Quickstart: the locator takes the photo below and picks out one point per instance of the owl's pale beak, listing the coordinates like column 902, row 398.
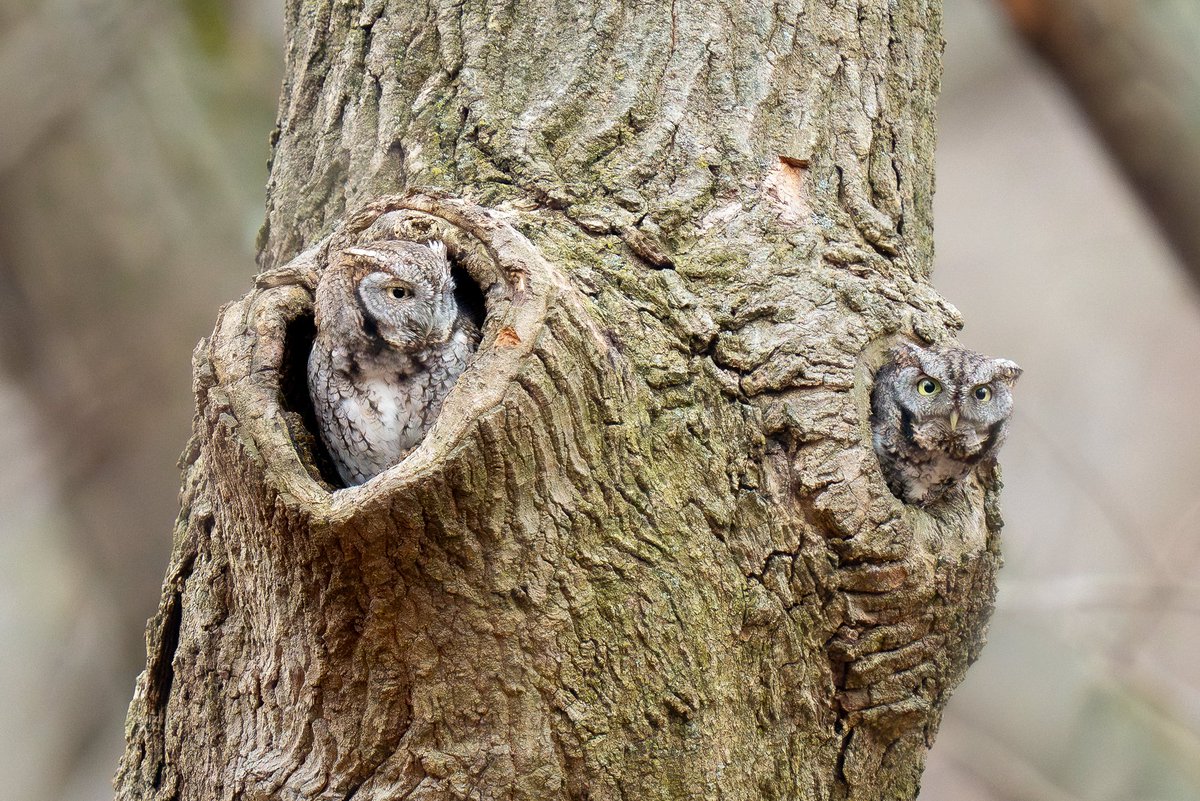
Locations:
column 954, row 420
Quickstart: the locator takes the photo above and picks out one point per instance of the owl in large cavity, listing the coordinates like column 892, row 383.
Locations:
column 391, row 341
column 936, row 414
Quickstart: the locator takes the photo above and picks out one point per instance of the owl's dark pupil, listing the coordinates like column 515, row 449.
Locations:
column 927, row 386
column 981, row 393
column 398, row 292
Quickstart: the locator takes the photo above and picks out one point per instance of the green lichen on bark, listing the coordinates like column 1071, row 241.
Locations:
column 646, row 552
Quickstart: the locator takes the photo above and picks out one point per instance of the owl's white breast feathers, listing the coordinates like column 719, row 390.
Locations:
column 388, row 412
column 374, row 411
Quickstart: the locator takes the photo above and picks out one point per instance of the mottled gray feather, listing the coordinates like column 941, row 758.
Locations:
column 928, row 443
column 390, row 344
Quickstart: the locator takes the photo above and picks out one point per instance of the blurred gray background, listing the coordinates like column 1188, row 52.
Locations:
column 133, row 146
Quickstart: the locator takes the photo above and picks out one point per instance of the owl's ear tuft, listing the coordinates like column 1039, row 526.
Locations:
column 1007, row 370
column 438, row 247
column 906, row 355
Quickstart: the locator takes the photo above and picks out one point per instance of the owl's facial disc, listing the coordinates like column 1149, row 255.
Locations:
column 939, row 421
column 406, row 311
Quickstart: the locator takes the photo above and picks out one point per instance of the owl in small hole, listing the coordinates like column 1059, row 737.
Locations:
column 937, row 413
column 391, row 341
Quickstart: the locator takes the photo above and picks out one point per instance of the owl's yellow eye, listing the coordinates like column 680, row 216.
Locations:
column 983, row 393
column 928, row 386
column 399, row 292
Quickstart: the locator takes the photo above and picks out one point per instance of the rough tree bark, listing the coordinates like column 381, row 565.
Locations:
column 646, row 551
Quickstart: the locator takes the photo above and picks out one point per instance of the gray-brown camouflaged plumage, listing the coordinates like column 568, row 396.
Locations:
column 936, row 414
column 390, row 344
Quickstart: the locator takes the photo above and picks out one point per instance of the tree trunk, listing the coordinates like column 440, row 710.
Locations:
column 646, row 551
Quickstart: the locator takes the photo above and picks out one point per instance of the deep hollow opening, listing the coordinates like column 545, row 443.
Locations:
column 293, row 380
column 302, row 418
column 468, row 294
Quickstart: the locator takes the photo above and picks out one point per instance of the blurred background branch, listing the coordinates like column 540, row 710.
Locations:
column 133, row 147
column 127, row 219
column 1133, row 67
